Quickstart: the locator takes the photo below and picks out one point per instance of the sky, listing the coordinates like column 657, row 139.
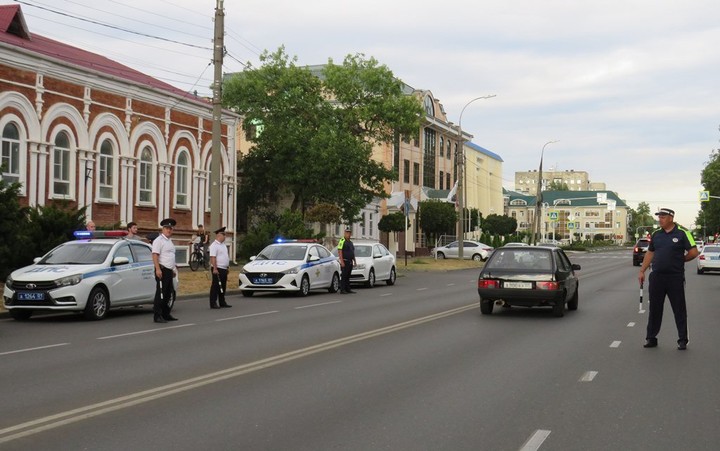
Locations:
column 629, row 88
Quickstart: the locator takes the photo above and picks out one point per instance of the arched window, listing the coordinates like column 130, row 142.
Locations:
column 518, row 202
column 181, row 179
column 61, row 165
column 10, row 153
column 145, row 181
column 106, row 170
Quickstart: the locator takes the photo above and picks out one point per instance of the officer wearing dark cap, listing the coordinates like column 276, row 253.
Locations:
column 163, row 255
column 670, row 247
column 346, row 254
column 219, row 263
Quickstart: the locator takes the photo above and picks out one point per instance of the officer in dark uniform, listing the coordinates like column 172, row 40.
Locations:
column 163, row 255
column 346, row 252
column 670, row 247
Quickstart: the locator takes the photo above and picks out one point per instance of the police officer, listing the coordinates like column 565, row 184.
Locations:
column 346, row 252
column 163, row 255
column 219, row 262
column 670, row 247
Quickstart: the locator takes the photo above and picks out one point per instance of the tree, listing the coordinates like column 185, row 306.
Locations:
column 641, row 221
column 393, row 222
column 437, row 218
column 499, row 225
column 324, row 214
column 710, row 179
column 557, row 185
column 12, row 224
column 312, row 137
column 49, row 226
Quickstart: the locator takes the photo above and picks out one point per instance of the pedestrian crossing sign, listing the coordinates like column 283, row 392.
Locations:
column 553, row 215
column 704, row 196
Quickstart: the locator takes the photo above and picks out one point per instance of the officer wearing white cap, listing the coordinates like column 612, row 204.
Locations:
column 219, row 263
column 670, row 247
column 163, row 255
column 346, row 254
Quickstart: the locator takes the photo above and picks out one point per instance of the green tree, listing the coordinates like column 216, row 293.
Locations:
column 437, row 218
column 710, row 179
column 49, row 226
column 641, row 220
column 317, row 133
column 499, row 225
column 393, row 222
column 12, row 225
column 557, row 185
column 324, row 214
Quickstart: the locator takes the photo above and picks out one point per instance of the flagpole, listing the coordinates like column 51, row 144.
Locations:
column 538, row 197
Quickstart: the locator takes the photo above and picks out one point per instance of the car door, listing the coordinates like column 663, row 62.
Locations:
column 451, row 250
column 381, row 262
column 125, row 277
column 146, row 271
column 327, row 265
column 470, row 248
column 565, row 273
column 316, row 272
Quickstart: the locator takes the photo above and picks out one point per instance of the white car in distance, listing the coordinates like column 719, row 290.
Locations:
column 374, row 263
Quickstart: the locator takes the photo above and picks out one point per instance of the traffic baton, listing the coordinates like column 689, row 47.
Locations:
column 220, row 284
column 641, row 296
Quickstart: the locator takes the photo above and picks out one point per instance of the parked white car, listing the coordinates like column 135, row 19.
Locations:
column 471, row 250
column 293, row 266
column 709, row 259
column 88, row 275
column 373, row 263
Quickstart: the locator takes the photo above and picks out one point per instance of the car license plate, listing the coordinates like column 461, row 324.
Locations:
column 714, row 258
column 30, row 296
column 263, row 281
column 521, row 285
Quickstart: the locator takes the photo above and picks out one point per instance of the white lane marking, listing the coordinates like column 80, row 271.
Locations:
column 145, row 331
column 421, row 289
column 631, row 324
column 641, row 311
column 33, row 349
column 536, row 440
column 248, row 316
column 615, row 344
column 450, row 284
column 385, row 294
column 588, row 376
column 317, row 305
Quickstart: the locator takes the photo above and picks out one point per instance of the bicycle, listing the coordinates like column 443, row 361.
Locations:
column 197, row 258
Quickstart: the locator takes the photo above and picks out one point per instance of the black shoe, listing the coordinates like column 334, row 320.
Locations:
column 226, row 306
column 214, row 306
column 650, row 343
column 343, row 292
column 352, row 292
column 160, row 319
column 682, row 345
column 170, row 318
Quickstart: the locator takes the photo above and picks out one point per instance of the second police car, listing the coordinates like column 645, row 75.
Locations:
column 92, row 274
column 293, row 266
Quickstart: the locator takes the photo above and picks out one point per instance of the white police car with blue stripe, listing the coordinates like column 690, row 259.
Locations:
column 97, row 272
column 296, row 266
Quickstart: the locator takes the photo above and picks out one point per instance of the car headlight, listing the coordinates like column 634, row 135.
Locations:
column 9, row 282
column 294, row 270
column 244, row 271
column 360, row 266
column 67, row 281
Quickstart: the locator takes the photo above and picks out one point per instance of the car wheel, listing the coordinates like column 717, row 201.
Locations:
column 97, row 305
column 335, row 284
column 486, row 306
column 559, row 308
column 304, row 286
column 171, row 301
column 477, row 257
column 371, row 279
column 21, row 314
column 441, row 255
column 248, row 293
column 573, row 302
column 700, row 271
column 393, row 276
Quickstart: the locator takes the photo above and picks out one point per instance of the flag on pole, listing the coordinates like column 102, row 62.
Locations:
column 452, row 195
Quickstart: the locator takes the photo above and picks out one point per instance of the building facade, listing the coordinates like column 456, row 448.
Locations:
column 526, row 182
column 81, row 128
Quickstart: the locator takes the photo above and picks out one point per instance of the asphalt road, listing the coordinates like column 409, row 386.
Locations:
column 409, row 367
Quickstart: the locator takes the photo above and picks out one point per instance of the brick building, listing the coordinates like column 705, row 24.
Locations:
column 80, row 127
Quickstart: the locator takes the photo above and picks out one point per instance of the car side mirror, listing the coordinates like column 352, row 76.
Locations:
column 253, row 257
column 377, row 256
column 313, row 258
column 576, row 267
column 120, row 261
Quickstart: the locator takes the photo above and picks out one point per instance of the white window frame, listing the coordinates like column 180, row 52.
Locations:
column 182, row 174
column 71, row 152
column 143, row 167
column 106, row 169
column 14, row 146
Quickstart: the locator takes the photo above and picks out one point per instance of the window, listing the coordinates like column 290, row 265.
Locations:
column 61, row 165
column 429, row 158
column 406, row 171
column 181, row 179
column 124, row 251
column 429, row 107
column 10, row 153
column 146, row 176
column 105, row 170
column 442, row 148
column 416, row 173
column 362, row 224
column 447, row 180
column 442, row 180
column 371, row 218
column 447, row 155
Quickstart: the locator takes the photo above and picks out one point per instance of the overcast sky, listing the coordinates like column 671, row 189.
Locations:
column 629, row 88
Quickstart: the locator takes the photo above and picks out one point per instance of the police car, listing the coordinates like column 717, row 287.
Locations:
column 294, row 266
column 96, row 272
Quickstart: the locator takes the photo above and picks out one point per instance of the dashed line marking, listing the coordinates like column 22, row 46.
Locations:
column 146, row 331
column 588, row 376
column 615, row 344
column 631, row 324
column 247, row 316
column 536, row 440
column 33, row 349
column 421, row 289
column 317, row 305
column 385, row 294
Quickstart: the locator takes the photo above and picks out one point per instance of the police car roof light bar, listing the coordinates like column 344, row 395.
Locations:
column 88, row 234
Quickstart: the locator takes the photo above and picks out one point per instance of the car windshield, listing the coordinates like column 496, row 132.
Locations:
column 521, row 258
column 77, row 253
column 363, row 251
column 279, row 252
column 711, row 250
column 643, row 243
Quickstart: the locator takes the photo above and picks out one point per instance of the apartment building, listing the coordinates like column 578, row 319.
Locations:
column 527, row 181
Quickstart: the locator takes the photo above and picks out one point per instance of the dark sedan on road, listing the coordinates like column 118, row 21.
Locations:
column 528, row 276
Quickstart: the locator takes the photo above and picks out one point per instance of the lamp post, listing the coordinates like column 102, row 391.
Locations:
column 538, row 196
column 460, row 162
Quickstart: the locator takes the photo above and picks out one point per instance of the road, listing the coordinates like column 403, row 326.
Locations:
column 414, row 366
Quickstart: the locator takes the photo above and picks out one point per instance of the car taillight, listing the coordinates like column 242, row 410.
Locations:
column 701, row 257
column 547, row 285
column 488, row 283
column 636, row 249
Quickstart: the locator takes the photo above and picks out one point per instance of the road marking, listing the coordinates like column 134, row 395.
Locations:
column 93, row 410
column 631, row 324
column 641, row 311
column 248, row 316
column 317, row 305
column 421, row 289
column 450, row 284
column 385, row 294
column 615, row 344
column 588, row 376
column 33, row 349
column 146, row 331
column 536, row 440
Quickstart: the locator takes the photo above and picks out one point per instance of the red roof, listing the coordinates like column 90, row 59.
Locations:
column 14, row 31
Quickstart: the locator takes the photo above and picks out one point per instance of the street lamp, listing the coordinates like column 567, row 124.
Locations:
column 460, row 162
column 538, row 196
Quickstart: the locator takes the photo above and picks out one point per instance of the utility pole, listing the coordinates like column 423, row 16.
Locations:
column 215, row 166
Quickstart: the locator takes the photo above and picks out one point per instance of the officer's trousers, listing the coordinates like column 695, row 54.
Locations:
column 672, row 286
column 217, row 289
column 163, row 291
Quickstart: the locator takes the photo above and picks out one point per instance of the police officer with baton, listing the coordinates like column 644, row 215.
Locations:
column 219, row 263
column 163, row 255
column 670, row 247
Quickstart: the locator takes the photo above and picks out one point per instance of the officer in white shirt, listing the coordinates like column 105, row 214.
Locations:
column 163, row 255
column 219, row 263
